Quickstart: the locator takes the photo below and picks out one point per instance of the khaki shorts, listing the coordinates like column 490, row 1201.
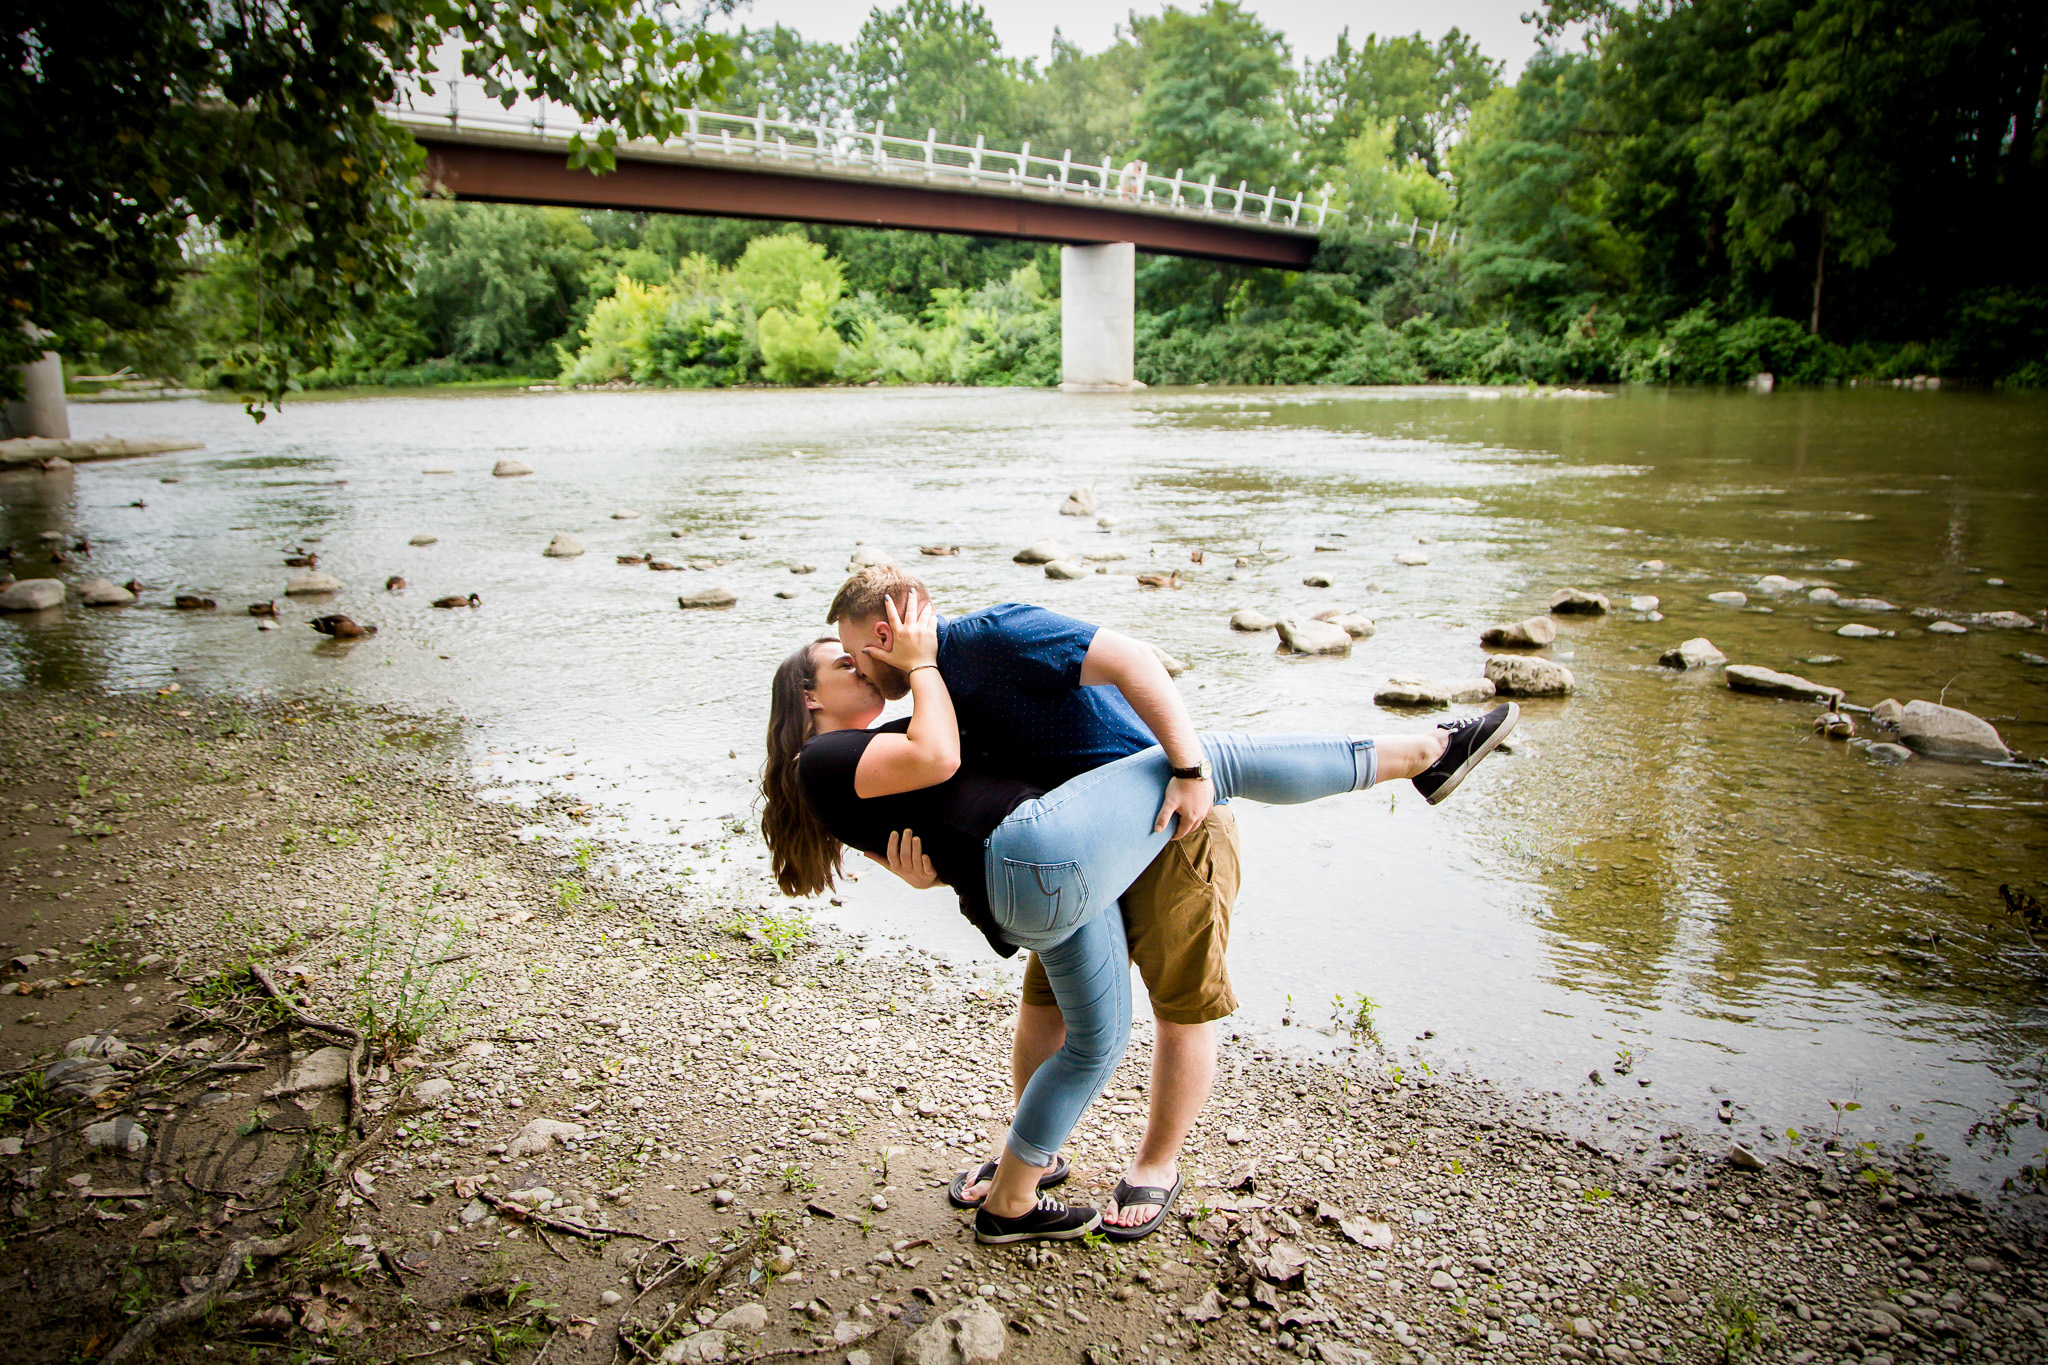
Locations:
column 1177, row 918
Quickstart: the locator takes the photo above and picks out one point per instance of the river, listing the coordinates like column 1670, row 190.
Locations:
column 1669, row 876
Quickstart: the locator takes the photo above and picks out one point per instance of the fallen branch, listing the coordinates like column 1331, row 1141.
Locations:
column 702, row 1290
column 517, row 1210
column 201, row 1302
column 295, row 1010
column 455, row 1338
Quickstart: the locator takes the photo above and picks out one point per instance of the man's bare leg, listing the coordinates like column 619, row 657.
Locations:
column 1041, row 1030
column 1183, row 1074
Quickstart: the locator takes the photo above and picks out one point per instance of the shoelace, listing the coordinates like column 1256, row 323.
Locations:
column 1459, row 727
column 1049, row 1204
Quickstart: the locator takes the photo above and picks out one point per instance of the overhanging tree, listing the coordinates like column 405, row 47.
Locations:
column 139, row 126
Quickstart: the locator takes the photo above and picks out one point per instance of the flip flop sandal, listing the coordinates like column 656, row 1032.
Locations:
column 1126, row 1194
column 982, row 1174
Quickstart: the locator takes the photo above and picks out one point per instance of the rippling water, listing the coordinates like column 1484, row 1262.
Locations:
column 1669, row 871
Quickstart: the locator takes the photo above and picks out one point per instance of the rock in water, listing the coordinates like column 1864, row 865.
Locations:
column 1887, row 714
column 1576, row 602
column 509, row 469
column 100, row 592
column 1414, row 559
column 1856, row 630
column 1533, row 633
column 539, row 1135
column 867, row 557
column 1698, row 652
column 423, row 539
column 1729, row 599
column 1889, row 753
column 1778, row 583
column 1430, row 692
column 1947, row 628
column 1316, row 580
column 1768, row 682
column 1823, row 595
column 1864, row 604
column 1042, row 552
column 311, row 583
column 1644, row 602
column 1251, row 621
column 1356, row 626
column 716, row 597
column 1067, row 568
column 1174, row 667
column 1301, row 636
column 32, row 594
column 625, row 514
column 563, row 546
column 1079, row 503
column 1946, row 732
column 971, row 1334
column 1516, row 675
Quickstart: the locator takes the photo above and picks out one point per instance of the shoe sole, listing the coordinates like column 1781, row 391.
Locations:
column 1450, row 784
column 995, row 1239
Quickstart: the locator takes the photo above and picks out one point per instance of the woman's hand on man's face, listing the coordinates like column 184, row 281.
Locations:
column 913, row 640
column 906, row 859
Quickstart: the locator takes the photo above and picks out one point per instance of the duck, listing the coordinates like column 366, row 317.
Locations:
column 186, row 601
column 138, row 503
column 263, row 608
column 395, row 583
column 1160, row 580
column 1194, row 556
column 939, row 551
column 6, row 554
column 304, row 559
column 457, row 600
column 341, row 627
column 2025, row 907
column 134, row 585
column 81, row 546
column 57, row 556
column 634, row 559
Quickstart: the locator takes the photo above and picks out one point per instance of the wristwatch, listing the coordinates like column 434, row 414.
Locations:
column 1198, row 773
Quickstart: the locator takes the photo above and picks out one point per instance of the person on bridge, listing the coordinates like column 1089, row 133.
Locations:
column 1064, row 803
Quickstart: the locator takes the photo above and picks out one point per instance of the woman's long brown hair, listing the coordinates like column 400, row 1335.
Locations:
column 804, row 853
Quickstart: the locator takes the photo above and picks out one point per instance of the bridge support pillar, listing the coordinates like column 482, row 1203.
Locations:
column 40, row 411
column 1098, row 303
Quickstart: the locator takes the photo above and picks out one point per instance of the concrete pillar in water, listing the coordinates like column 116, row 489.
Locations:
column 40, row 410
column 1098, row 301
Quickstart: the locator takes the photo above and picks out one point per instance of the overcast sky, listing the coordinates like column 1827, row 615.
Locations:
column 1311, row 26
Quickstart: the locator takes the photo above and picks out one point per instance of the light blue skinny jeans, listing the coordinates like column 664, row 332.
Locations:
column 1058, row 864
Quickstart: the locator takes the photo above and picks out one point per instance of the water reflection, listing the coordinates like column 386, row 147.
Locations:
column 1669, row 869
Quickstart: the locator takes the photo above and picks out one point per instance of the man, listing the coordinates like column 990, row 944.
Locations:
column 1044, row 697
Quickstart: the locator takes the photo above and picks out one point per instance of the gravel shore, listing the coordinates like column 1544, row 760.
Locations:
column 763, row 1116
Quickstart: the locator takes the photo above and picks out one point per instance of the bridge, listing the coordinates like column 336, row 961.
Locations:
column 731, row 164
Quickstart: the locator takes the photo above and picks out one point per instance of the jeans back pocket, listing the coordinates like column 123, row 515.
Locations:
column 1044, row 898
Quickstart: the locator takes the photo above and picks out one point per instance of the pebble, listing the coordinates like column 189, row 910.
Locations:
column 117, row 1135
column 611, row 1298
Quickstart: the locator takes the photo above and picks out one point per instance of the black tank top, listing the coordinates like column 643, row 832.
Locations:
column 952, row 819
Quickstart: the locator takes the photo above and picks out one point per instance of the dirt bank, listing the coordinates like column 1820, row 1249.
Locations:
column 542, row 1050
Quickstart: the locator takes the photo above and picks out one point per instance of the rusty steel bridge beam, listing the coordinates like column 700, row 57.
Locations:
column 506, row 173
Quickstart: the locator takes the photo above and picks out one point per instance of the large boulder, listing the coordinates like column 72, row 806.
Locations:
column 715, row 596
column 1533, row 633
column 1300, row 635
column 1577, row 602
column 971, row 1334
column 311, row 583
column 1252, row 622
column 101, row 592
column 32, row 594
column 1768, row 682
column 1946, row 732
column 1518, row 675
column 1698, row 652
column 1432, row 692
column 1042, row 552
column 563, row 546
column 1079, row 503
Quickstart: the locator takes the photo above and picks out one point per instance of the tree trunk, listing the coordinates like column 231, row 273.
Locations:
column 1820, row 261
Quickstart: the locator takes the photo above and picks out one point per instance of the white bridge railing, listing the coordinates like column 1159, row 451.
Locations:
column 878, row 153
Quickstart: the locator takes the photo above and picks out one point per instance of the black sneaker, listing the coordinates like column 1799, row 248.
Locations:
column 1048, row 1221
column 1472, row 739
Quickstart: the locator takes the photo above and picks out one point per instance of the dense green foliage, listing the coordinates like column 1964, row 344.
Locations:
column 1826, row 190
column 141, row 130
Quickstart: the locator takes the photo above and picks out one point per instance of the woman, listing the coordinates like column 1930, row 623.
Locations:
column 1034, row 869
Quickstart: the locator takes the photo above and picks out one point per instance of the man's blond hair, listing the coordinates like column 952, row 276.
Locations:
column 860, row 597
